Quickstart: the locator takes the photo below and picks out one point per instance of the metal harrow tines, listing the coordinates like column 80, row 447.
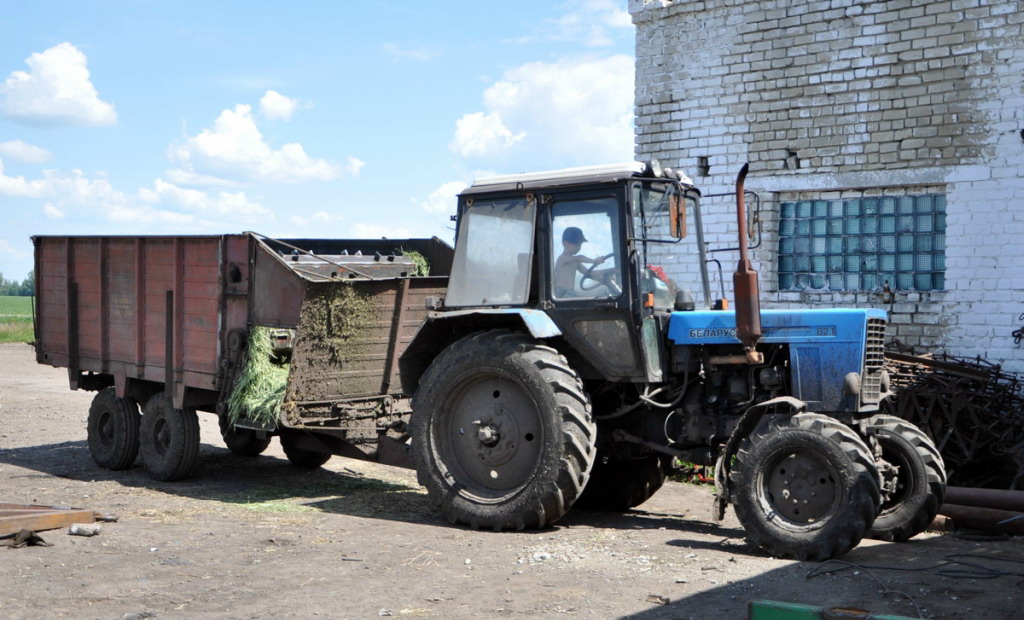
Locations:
column 972, row 410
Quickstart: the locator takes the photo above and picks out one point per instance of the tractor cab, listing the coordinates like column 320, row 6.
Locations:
column 567, row 252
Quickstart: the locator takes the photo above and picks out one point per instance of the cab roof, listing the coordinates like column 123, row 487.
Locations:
column 552, row 178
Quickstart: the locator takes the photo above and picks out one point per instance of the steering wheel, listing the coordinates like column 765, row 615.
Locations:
column 589, row 275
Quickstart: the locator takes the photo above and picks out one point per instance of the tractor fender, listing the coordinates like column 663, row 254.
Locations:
column 440, row 329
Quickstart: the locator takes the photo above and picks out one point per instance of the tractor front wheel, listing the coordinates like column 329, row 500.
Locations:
column 805, row 486
column 914, row 475
column 502, row 432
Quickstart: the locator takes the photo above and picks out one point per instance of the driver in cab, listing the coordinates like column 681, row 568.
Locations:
column 570, row 262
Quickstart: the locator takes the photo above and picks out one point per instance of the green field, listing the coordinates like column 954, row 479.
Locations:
column 15, row 319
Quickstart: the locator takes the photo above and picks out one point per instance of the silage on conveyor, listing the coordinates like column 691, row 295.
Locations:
column 259, row 389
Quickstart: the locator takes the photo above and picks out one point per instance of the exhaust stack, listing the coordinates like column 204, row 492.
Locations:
column 744, row 282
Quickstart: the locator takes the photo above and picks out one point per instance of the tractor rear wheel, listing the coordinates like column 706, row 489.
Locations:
column 502, row 432
column 113, row 430
column 169, row 439
column 617, row 486
column 805, row 486
column 915, row 479
column 242, row 441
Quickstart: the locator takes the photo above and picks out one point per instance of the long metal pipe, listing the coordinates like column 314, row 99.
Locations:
column 999, row 499
column 745, row 287
column 987, row 519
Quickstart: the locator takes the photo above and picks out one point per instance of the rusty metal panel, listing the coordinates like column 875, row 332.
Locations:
column 276, row 292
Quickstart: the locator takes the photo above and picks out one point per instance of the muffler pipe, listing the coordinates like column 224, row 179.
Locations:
column 744, row 283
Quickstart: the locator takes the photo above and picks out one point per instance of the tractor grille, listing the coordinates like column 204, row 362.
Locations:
column 874, row 359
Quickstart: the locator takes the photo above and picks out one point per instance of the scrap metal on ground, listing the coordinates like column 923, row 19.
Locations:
column 971, row 409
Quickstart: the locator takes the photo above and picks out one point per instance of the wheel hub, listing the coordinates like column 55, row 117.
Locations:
column 801, row 487
column 491, row 440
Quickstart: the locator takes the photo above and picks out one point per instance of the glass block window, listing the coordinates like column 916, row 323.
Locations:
column 853, row 244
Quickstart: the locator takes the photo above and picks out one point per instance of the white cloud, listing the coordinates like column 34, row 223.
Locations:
column 23, row 151
column 320, row 218
column 480, row 134
column 401, row 52
column 7, row 248
column 56, row 90
column 579, row 111
column 590, row 22
column 184, row 177
column 51, row 212
column 275, row 106
column 234, row 147
column 165, row 203
column 442, row 200
column 379, row 231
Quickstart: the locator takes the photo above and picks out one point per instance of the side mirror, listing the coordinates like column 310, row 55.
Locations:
column 677, row 216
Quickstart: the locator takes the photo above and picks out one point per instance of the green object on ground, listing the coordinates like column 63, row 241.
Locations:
column 260, row 387
column 777, row 610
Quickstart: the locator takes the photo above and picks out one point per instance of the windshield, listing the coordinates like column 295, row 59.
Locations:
column 493, row 254
column 662, row 254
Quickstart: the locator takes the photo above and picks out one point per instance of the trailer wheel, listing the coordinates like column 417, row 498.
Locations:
column 169, row 439
column 301, row 457
column 918, row 480
column 502, row 432
column 113, row 430
column 617, row 486
column 806, row 487
column 242, row 441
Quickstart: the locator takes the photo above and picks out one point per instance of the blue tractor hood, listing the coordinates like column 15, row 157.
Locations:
column 824, row 346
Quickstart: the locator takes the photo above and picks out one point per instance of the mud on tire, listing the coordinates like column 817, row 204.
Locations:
column 805, row 486
column 920, row 483
column 502, row 432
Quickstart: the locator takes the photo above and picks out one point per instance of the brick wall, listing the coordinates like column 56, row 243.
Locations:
column 836, row 97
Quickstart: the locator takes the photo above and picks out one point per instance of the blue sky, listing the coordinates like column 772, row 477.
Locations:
column 322, row 119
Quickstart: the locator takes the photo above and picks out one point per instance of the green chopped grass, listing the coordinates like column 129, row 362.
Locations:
column 260, row 387
column 422, row 265
column 16, row 319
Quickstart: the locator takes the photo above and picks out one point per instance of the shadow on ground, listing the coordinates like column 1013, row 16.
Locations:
column 271, row 484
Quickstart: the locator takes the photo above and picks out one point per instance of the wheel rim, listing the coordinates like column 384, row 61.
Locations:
column 161, row 436
column 491, row 438
column 904, row 478
column 105, row 429
column 802, row 487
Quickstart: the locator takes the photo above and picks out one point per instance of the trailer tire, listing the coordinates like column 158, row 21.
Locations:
column 243, row 441
column 169, row 439
column 920, row 481
column 301, row 457
column 617, row 486
column 113, row 430
column 805, row 486
column 502, row 432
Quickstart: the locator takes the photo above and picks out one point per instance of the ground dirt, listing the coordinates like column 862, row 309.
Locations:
column 259, row 538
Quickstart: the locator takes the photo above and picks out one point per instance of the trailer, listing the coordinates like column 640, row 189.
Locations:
column 526, row 375
column 162, row 323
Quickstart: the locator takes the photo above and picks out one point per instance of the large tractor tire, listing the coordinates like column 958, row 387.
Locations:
column 502, row 432
column 242, row 441
column 168, row 439
column 113, row 430
column 805, row 487
column 915, row 480
column 617, row 486
column 291, row 443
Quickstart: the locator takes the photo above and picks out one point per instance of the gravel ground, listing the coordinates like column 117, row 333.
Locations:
column 258, row 538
